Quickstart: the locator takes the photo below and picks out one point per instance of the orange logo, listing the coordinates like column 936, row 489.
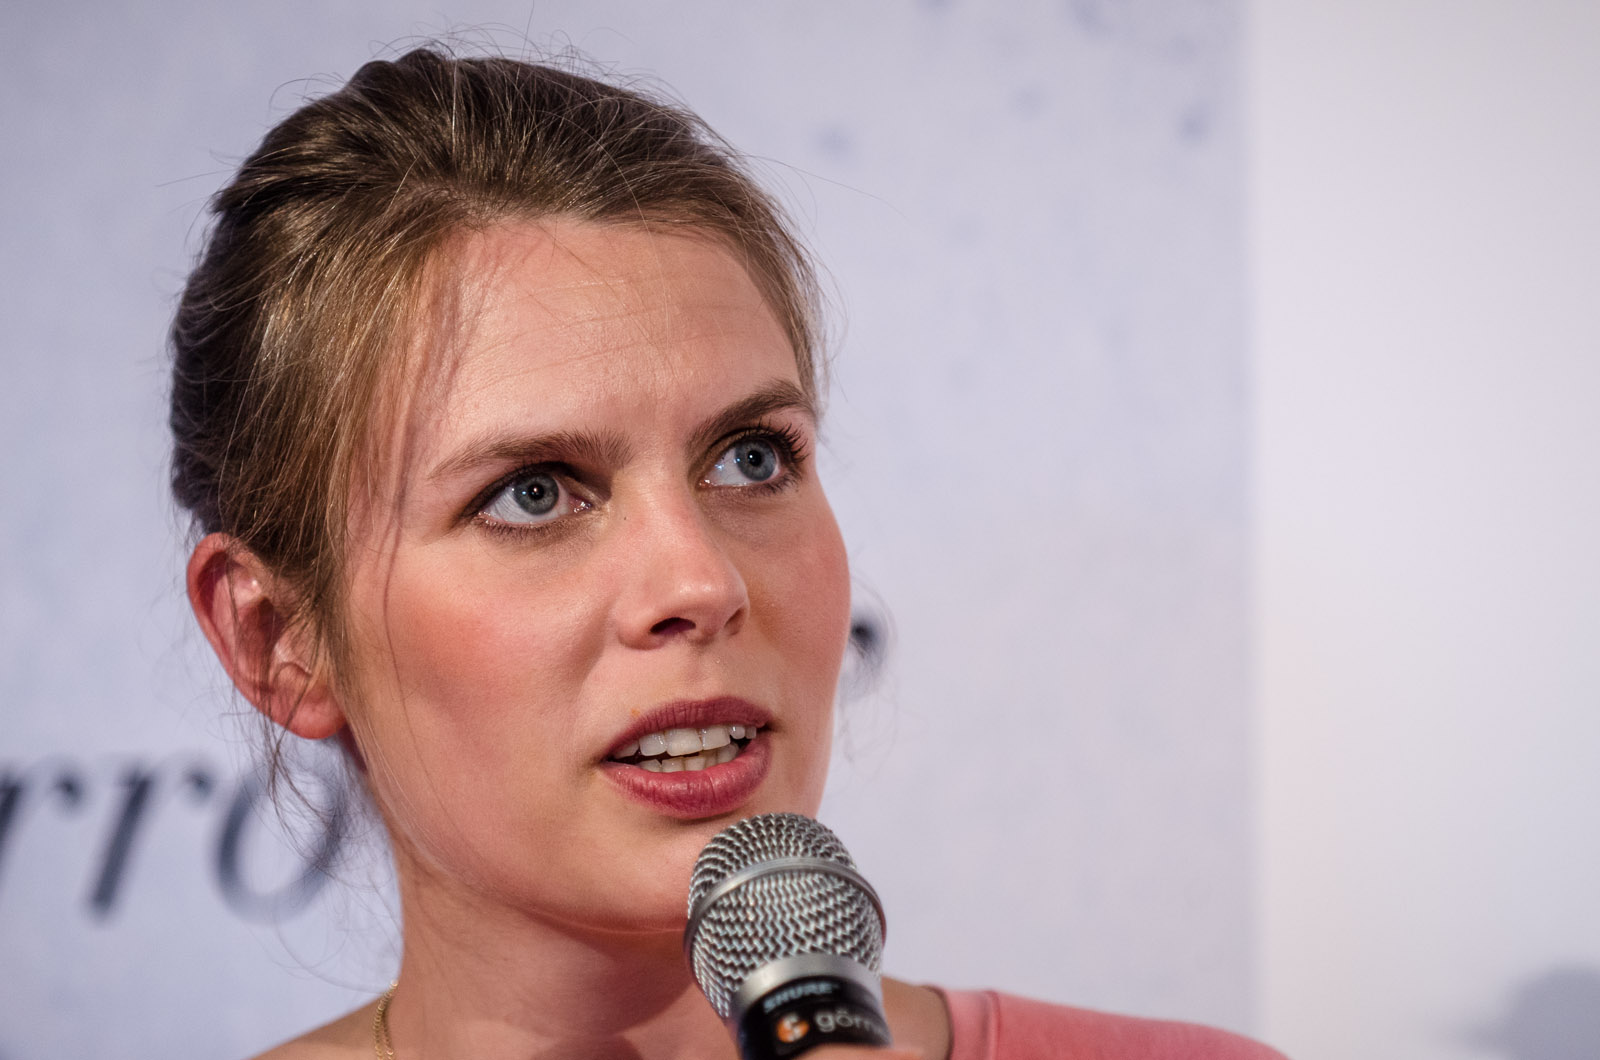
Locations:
column 792, row 1028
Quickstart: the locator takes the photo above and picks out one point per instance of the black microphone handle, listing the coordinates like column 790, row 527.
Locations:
column 797, row 1003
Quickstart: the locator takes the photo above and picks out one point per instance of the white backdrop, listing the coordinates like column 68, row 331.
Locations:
column 1037, row 445
column 1426, row 252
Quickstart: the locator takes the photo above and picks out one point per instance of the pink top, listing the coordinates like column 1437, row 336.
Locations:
column 985, row 1025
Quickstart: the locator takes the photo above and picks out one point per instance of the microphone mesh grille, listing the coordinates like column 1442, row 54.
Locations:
column 783, row 914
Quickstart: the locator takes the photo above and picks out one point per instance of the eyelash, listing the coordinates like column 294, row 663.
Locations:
column 791, row 447
column 790, row 443
column 477, row 510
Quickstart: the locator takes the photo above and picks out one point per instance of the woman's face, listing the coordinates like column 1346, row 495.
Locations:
column 603, row 525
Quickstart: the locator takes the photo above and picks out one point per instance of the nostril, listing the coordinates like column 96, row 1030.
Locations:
column 669, row 626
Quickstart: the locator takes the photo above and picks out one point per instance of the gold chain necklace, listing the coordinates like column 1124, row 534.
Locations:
column 380, row 1025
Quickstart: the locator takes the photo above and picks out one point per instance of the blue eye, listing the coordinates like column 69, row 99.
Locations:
column 747, row 462
column 535, row 497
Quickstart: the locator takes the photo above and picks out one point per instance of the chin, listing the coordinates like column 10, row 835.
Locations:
column 649, row 893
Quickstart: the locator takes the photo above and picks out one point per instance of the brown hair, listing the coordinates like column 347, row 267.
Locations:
column 313, row 270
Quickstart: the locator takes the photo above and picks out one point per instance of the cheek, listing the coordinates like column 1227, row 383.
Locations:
column 467, row 673
column 464, row 654
column 820, row 595
column 808, row 592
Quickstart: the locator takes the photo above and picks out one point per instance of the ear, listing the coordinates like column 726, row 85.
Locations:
column 244, row 611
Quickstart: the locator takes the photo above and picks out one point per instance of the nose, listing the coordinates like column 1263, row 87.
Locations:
column 681, row 584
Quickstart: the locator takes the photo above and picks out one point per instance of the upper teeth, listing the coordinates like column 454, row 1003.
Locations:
column 681, row 742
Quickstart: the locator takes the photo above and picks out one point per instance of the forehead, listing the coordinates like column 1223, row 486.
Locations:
column 572, row 317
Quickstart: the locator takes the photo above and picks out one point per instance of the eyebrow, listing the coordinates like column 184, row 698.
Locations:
column 777, row 396
column 558, row 447
column 610, row 448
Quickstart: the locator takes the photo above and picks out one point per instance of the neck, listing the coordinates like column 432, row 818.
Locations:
column 497, row 983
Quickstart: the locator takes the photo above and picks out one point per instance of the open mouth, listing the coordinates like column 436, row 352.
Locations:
column 686, row 750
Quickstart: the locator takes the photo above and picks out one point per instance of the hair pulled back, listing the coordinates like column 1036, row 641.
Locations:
column 313, row 266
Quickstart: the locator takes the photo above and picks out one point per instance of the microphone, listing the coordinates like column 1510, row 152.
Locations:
column 786, row 938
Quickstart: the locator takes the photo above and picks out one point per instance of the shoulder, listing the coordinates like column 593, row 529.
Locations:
column 986, row 1025
column 346, row 1038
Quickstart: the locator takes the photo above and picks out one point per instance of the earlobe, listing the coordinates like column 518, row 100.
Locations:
column 243, row 611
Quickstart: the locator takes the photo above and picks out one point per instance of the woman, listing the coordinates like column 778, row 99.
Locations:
column 495, row 396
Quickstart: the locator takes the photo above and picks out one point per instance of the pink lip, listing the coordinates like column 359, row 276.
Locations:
column 709, row 792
